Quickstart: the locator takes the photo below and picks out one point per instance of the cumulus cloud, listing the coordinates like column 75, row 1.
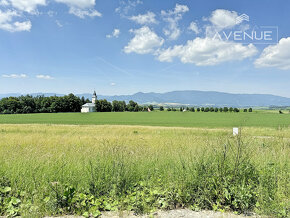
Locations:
column 147, row 18
column 145, row 41
column 193, row 27
column 29, row 6
column 81, row 8
column 14, row 76
column 7, row 22
column 126, row 6
column 78, row 3
column 220, row 19
column 46, row 77
column 82, row 13
column 276, row 55
column 207, row 51
column 223, row 19
column 4, row 3
column 115, row 34
column 173, row 17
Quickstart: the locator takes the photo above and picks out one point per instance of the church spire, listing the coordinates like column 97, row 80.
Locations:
column 94, row 98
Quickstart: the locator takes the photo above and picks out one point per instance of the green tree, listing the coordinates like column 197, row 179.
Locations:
column 151, row 107
column 161, row 108
column 236, row 110
column 250, row 109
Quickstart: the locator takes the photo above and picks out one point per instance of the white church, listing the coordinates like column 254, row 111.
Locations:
column 90, row 107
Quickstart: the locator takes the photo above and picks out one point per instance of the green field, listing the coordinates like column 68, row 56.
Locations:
column 81, row 170
column 84, row 164
column 177, row 119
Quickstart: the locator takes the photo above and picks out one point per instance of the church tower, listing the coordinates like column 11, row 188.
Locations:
column 94, row 98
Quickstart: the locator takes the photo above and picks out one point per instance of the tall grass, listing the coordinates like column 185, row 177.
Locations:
column 52, row 170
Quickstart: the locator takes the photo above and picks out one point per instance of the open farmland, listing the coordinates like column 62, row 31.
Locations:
column 177, row 119
column 70, row 169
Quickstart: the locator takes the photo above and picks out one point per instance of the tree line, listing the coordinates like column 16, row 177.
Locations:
column 120, row 106
column 68, row 103
column 71, row 103
column 207, row 109
column 41, row 104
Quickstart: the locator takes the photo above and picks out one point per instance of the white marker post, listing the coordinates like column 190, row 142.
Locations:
column 235, row 131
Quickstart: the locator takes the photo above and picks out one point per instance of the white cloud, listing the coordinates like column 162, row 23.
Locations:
column 145, row 41
column 113, row 84
column 114, row 34
column 126, row 6
column 172, row 17
column 14, row 76
column 28, row 6
column 193, row 27
column 220, row 19
column 78, row 3
column 81, row 8
column 4, row 3
column 147, row 18
column 58, row 23
column 51, row 13
column 207, row 51
column 223, row 19
column 81, row 13
column 276, row 55
column 46, row 77
column 7, row 23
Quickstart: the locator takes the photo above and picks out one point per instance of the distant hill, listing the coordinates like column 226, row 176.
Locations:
column 197, row 98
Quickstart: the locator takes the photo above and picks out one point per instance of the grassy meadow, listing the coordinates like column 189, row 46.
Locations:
column 177, row 119
column 50, row 169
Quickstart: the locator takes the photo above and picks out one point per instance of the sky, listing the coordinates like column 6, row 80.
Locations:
column 126, row 46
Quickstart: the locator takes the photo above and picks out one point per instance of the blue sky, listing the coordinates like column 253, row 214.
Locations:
column 123, row 47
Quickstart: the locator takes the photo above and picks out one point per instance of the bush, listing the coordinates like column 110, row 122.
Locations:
column 245, row 110
column 161, row 108
column 236, row 110
column 250, row 109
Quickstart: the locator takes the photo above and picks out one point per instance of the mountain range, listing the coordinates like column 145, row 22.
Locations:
column 191, row 97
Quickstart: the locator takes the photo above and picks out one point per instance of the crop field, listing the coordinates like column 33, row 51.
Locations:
column 48, row 169
column 177, row 119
